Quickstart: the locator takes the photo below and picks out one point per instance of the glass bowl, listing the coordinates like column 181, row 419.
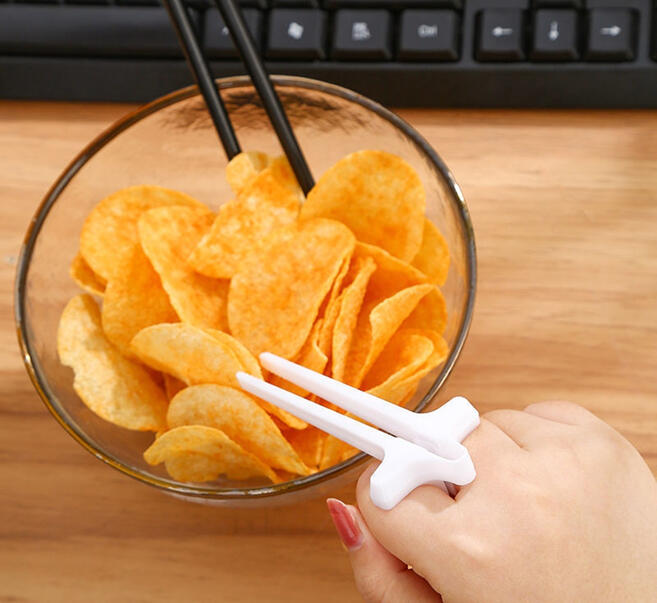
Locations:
column 171, row 142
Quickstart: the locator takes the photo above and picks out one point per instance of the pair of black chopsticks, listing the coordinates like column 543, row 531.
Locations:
column 242, row 39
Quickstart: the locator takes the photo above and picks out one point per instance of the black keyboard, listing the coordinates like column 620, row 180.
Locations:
column 431, row 53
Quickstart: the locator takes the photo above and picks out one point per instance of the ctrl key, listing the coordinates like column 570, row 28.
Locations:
column 500, row 35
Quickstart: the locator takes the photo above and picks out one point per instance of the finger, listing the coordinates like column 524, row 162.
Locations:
column 379, row 575
column 526, row 429
column 561, row 411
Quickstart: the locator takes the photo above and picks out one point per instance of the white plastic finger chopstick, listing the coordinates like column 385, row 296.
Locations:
column 423, row 448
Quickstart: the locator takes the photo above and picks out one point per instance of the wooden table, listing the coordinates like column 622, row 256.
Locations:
column 565, row 210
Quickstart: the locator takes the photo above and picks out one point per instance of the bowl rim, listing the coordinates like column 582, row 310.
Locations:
column 203, row 492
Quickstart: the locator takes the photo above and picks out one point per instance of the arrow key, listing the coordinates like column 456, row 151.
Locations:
column 500, row 35
column 611, row 35
column 555, row 36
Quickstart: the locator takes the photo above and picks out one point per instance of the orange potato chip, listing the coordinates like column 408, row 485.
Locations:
column 109, row 233
column 402, row 357
column 188, row 353
column 243, row 168
column 349, row 309
column 240, row 418
column 429, row 314
column 335, row 451
column 308, row 443
column 433, row 257
column 243, row 225
column 275, row 296
column 199, row 356
column 331, row 308
column 196, row 453
column 168, row 235
column 115, row 388
column 85, row 277
column 375, row 327
column 391, row 274
column 378, row 196
column 397, row 390
column 250, row 364
column 246, row 358
column 310, row 356
column 172, row 385
column 405, row 400
column 134, row 299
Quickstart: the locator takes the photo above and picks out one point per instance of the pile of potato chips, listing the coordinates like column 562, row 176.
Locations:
column 345, row 282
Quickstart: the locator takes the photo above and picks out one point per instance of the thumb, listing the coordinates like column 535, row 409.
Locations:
column 379, row 575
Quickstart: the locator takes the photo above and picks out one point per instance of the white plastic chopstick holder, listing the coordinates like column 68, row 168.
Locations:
column 427, row 448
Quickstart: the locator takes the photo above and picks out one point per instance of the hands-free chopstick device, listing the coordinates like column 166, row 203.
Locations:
column 417, row 449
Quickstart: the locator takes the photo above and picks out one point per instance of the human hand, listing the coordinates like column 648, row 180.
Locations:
column 563, row 508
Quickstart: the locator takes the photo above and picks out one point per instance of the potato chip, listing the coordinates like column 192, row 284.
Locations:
column 392, row 275
column 308, row 443
column 168, row 235
column 275, row 296
column 85, row 277
column 196, row 453
column 402, row 357
column 331, row 308
column 335, row 451
column 243, row 168
column 378, row 196
column 310, row 356
column 250, row 364
column 438, row 355
column 113, row 387
column 397, row 390
column 282, row 172
column 109, row 233
column 429, row 314
column 134, row 299
column 433, row 257
column 188, row 353
column 376, row 326
column 246, row 358
column 406, row 399
column 240, row 418
column 172, row 385
column 243, row 225
column 349, row 308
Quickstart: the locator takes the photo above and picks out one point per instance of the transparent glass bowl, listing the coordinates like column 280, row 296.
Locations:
column 171, row 142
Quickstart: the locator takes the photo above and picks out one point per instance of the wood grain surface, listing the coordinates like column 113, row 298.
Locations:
column 565, row 211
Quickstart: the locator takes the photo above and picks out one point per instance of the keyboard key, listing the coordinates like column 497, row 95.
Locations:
column 86, row 31
column 611, row 34
column 558, row 4
column 299, row 3
column 216, row 39
column 555, row 36
column 261, row 4
column 500, row 35
column 296, row 34
column 87, row 1
column 138, row 2
column 362, row 35
column 429, row 35
column 455, row 4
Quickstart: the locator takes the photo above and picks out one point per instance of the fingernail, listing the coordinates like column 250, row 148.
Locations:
column 345, row 524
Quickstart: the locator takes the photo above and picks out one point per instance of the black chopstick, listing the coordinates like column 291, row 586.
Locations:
column 242, row 39
column 190, row 46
